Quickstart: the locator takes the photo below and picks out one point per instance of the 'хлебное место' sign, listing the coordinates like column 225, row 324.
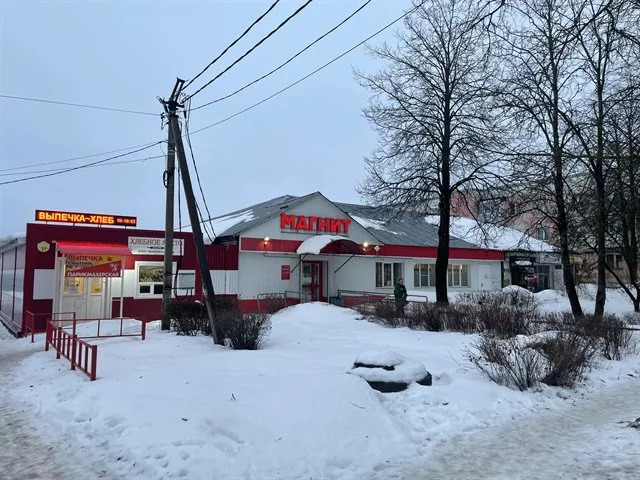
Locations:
column 154, row 246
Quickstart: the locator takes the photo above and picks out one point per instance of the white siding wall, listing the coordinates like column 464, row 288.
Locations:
column 44, row 284
column 260, row 273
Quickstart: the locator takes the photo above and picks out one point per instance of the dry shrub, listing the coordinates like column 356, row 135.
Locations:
column 459, row 318
column 568, row 356
column 189, row 318
column 240, row 331
column 424, row 316
column 272, row 303
column 616, row 339
column 506, row 362
column 518, row 299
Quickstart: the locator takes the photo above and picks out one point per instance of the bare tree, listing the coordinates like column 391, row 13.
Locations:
column 431, row 109
column 600, row 53
column 538, row 85
column 623, row 145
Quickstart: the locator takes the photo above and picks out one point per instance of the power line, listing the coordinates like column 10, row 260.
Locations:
column 239, row 59
column 195, row 166
column 90, row 166
column 69, row 104
column 312, row 73
column 255, row 22
column 76, row 158
column 287, row 62
column 245, row 109
column 79, row 166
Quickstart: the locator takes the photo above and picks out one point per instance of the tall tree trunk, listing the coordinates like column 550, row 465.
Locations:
column 558, row 182
column 444, row 205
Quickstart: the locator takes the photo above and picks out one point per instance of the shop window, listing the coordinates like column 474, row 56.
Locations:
column 387, row 274
column 615, row 261
column 149, row 279
column 458, row 275
column 185, row 281
column 73, row 286
column 542, row 233
column 424, row 275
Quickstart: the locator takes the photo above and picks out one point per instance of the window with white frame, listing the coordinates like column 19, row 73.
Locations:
column 542, row 233
column 149, row 279
column 185, row 282
column 424, row 275
column 458, row 275
column 614, row 260
column 388, row 273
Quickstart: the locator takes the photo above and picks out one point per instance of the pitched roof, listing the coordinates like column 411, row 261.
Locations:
column 408, row 229
column 235, row 223
column 391, row 228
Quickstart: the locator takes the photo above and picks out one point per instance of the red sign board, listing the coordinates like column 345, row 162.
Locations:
column 93, row 266
column 285, row 272
column 314, row 224
column 88, row 218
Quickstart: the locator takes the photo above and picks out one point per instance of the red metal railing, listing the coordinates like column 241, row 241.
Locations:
column 80, row 353
column 30, row 325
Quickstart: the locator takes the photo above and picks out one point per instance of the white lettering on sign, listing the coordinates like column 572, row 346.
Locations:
column 154, row 246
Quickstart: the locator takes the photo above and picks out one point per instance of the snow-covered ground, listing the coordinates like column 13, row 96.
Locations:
column 181, row 407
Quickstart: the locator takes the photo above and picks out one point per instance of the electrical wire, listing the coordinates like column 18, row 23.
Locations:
column 309, row 74
column 90, row 166
column 187, row 115
column 255, row 22
column 287, row 62
column 239, row 59
column 80, row 166
column 76, row 158
column 81, row 105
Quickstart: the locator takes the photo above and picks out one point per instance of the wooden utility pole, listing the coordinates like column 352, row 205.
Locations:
column 209, row 294
column 168, row 219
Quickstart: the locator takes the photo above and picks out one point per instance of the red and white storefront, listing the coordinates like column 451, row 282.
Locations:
column 113, row 269
column 94, row 271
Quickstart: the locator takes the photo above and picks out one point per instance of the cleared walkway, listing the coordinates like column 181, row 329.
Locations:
column 581, row 441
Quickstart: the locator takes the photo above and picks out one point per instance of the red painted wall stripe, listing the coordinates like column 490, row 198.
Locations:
column 290, row 246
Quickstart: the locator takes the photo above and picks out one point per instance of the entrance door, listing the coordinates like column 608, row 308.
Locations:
column 484, row 273
column 312, row 281
column 84, row 296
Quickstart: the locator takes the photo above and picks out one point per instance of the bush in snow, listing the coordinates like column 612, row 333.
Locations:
column 557, row 358
column 631, row 318
column 424, row 316
column 567, row 355
column 514, row 297
column 189, row 318
column 615, row 339
column 506, row 362
column 240, row 331
column 271, row 303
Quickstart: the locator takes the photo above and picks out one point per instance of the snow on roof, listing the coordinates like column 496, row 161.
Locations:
column 221, row 224
column 371, row 223
column 314, row 244
column 492, row 236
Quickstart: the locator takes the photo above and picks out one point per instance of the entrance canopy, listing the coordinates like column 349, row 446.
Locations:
column 93, row 248
column 329, row 244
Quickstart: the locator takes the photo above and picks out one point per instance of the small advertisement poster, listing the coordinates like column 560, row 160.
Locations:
column 86, row 266
column 154, row 246
column 285, row 272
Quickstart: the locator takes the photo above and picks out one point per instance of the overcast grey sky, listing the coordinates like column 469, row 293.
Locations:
column 124, row 54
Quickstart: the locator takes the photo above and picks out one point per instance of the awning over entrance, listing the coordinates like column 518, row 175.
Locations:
column 329, row 244
column 92, row 248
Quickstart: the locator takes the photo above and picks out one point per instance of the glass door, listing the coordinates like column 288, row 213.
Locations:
column 312, row 281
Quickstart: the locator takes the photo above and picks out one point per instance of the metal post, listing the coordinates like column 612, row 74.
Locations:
column 168, row 233
column 209, row 295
